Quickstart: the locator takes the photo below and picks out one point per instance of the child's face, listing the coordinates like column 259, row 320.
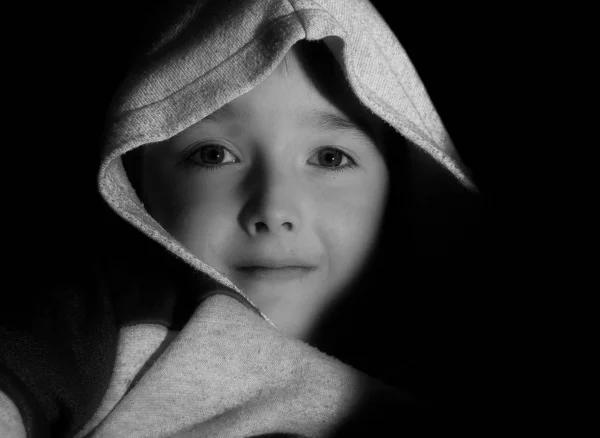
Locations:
column 286, row 208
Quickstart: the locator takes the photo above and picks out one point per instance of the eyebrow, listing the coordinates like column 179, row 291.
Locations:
column 321, row 119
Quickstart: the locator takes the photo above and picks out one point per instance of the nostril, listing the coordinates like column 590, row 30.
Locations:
column 261, row 226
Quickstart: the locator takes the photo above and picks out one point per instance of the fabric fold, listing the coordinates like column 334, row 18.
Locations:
column 229, row 373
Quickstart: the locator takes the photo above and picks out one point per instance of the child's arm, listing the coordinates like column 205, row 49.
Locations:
column 11, row 423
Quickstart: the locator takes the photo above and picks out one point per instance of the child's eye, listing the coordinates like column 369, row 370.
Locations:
column 332, row 159
column 211, row 156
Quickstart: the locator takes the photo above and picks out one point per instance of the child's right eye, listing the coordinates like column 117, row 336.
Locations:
column 210, row 156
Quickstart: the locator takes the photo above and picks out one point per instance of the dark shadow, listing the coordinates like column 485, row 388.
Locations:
column 278, row 435
column 421, row 330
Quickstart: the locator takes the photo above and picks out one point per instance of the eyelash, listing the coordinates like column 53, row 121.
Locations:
column 350, row 165
column 188, row 159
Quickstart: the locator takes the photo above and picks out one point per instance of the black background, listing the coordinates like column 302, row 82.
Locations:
column 69, row 59
column 64, row 61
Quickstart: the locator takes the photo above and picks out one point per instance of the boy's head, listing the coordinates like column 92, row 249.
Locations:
column 283, row 190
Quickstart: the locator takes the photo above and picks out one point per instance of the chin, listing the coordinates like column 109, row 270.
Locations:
column 267, row 294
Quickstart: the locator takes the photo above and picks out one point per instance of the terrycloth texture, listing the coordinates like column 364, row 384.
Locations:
column 215, row 51
column 11, row 424
column 136, row 348
column 229, row 372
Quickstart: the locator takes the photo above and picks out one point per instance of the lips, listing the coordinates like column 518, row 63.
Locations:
column 280, row 269
column 283, row 273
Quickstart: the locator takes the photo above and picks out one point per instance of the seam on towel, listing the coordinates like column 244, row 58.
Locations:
column 382, row 105
column 254, row 41
column 298, row 16
column 373, row 97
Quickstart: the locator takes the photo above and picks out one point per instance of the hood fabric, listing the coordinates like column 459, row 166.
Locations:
column 229, row 372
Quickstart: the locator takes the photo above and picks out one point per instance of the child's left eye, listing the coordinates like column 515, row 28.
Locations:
column 332, row 159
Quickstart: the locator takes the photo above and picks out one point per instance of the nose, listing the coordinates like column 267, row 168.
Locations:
column 271, row 223
column 272, row 207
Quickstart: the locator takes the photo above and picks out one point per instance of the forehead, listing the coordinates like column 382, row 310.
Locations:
column 313, row 65
column 308, row 88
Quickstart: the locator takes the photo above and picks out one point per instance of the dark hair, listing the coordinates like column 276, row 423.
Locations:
column 328, row 77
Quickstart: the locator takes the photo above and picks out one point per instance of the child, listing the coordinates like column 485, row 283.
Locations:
column 269, row 146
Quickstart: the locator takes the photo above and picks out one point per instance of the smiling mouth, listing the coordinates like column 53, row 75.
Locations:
column 281, row 273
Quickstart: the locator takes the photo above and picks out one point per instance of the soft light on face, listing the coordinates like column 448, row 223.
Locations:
column 268, row 194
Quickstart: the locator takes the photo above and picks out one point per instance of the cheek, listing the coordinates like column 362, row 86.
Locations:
column 199, row 214
column 350, row 219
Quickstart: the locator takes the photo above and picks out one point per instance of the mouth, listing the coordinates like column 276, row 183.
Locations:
column 275, row 273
